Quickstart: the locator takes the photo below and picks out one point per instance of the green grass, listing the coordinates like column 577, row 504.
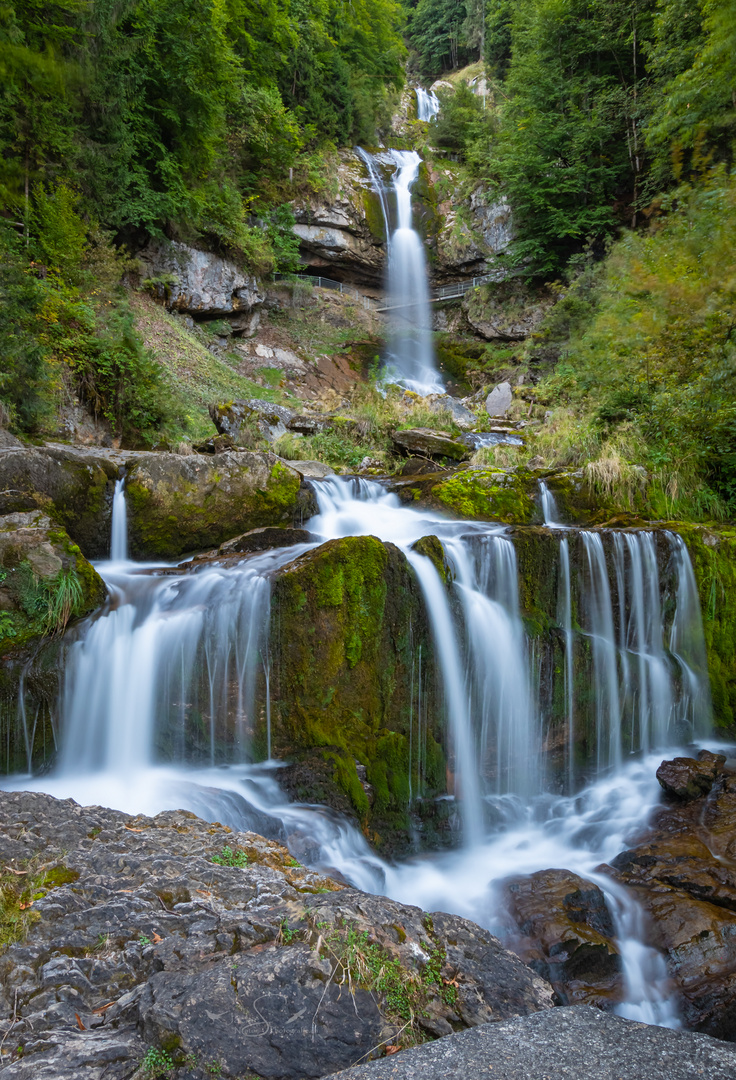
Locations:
column 228, row 857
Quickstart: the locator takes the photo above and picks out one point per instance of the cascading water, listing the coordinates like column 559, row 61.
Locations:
column 428, row 104
column 163, row 687
column 410, row 350
column 119, row 537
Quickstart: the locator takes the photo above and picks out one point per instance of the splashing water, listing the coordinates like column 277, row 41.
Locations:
column 428, row 104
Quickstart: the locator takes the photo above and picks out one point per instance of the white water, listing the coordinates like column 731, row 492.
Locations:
column 410, row 352
column 164, row 688
column 119, row 538
column 428, row 104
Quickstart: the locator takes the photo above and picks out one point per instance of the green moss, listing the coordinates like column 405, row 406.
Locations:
column 490, row 495
column 58, row 876
column 433, row 549
column 346, row 778
column 373, row 215
column 178, row 517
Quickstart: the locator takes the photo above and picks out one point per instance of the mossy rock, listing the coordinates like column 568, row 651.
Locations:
column 73, row 486
column 349, row 639
column 490, row 495
column 180, row 504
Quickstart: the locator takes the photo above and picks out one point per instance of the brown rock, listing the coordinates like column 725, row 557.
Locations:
column 567, row 935
column 686, row 778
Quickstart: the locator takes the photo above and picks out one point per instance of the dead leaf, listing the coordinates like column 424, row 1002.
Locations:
column 392, row 1049
column 12, row 871
column 103, row 1008
column 156, row 938
column 24, row 907
column 131, row 829
column 79, row 1022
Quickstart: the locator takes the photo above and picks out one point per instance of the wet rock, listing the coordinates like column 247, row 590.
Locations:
column 579, row 1043
column 429, row 444
column 684, row 878
column 264, row 540
column 303, row 424
column 178, row 504
column 198, row 282
column 499, row 400
column 567, row 934
column 218, row 948
column 686, row 779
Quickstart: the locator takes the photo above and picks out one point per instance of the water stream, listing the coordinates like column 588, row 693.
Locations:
column 428, row 104
column 410, row 351
column 164, row 685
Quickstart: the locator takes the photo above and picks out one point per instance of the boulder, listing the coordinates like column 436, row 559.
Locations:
column 264, row 539
column 8, row 441
column 462, row 416
column 499, row 400
column 430, row 444
column 507, row 495
column 682, row 875
column 686, row 779
column 574, row 1043
column 347, row 619
column 74, row 486
column 237, row 420
column 198, row 282
column 312, row 470
column 178, row 504
column 214, row 946
column 567, row 935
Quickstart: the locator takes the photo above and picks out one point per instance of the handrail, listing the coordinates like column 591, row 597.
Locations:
column 444, row 292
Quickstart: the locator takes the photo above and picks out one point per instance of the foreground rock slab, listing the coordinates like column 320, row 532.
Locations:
column 573, row 1043
column 131, row 937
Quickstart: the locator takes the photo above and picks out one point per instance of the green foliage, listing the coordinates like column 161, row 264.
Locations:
column 157, row 1064
column 228, row 857
column 653, row 363
column 437, row 31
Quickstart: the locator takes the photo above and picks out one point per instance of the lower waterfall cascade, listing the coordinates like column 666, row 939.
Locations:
column 170, row 639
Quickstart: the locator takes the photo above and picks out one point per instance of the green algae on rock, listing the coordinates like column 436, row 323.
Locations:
column 178, row 504
column 490, row 495
column 351, row 649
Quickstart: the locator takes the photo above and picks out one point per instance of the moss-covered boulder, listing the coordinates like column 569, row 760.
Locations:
column 510, row 496
column 73, row 486
column 428, row 443
column 45, row 584
column 178, row 504
column 353, row 679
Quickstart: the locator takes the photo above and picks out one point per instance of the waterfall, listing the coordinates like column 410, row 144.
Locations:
column 119, row 537
column 550, row 513
column 605, row 654
column 410, row 351
column 378, row 186
column 687, row 645
column 428, row 104
column 564, row 615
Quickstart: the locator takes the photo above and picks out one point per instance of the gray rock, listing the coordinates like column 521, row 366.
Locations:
column 198, row 281
column 463, row 417
column 232, row 419
column 427, row 443
column 574, row 1043
column 8, row 441
column 499, row 400
column 145, row 936
column 312, row 470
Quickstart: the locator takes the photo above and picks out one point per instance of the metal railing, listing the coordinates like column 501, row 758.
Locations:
column 445, row 292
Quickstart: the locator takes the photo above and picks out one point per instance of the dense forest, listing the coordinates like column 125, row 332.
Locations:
column 610, row 132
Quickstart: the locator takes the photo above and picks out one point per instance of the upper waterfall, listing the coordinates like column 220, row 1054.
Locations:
column 428, row 104
column 410, row 351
